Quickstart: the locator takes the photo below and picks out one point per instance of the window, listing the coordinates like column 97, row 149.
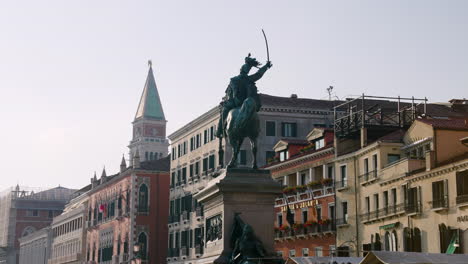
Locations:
column 304, row 216
column 143, row 198
column 412, row 199
column 143, row 242
column 394, row 196
column 289, row 129
column 280, row 219
column 211, row 162
column 279, row 254
column 303, row 178
column 376, row 201
column 32, row 213
column 284, row 155
column 367, row 199
column 212, row 132
column 205, row 136
column 366, row 166
column 440, row 194
column 319, row 212
column 343, row 175
column 320, row 143
column 385, row 200
column 374, row 162
column 462, row 186
column 270, row 128
column 344, row 208
column 197, row 168
column 392, row 158
column 242, row 158
column 51, row 214
column 330, row 172
column 173, row 179
column 205, row 164
column 305, row 252
column 318, row 252
column 292, row 253
column 191, row 171
column 331, row 211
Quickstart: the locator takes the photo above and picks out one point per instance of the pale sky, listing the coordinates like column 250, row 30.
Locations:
column 72, row 72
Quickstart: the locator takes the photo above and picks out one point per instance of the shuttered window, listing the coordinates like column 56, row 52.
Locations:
column 289, row 129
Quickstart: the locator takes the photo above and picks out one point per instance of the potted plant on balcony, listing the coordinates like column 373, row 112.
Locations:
column 314, row 185
column 301, row 188
column 298, row 226
column 289, row 190
column 327, row 182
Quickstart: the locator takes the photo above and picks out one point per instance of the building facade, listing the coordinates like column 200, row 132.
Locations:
column 24, row 211
column 195, row 160
column 305, row 214
column 368, row 144
column 69, row 233
column 149, row 126
column 126, row 209
column 35, row 247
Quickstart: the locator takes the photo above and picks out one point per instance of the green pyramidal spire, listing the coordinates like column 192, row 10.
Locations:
column 150, row 105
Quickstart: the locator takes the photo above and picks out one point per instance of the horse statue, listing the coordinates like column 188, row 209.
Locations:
column 238, row 117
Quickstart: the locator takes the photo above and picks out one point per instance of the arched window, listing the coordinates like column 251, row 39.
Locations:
column 143, row 242
column 407, row 239
column 378, row 243
column 143, row 199
column 394, row 240
column 387, row 241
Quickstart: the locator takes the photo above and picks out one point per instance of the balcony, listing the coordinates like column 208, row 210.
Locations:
column 65, row 259
column 198, row 250
column 388, row 211
column 185, row 217
column 124, row 258
column 368, row 177
column 440, row 204
column 184, row 252
column 462, row 200
column 413, row 208
column 341, row 185
column 342, row 222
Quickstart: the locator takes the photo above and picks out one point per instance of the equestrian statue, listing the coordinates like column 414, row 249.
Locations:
column 238, row 111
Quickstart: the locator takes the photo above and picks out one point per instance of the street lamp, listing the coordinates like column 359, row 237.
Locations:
column 136, row 254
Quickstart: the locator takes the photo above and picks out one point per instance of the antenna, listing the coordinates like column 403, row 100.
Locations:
column 329, row 90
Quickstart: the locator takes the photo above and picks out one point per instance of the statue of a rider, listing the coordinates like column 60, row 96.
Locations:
column 241, row 87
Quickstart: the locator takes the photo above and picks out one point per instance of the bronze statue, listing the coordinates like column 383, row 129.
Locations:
column 247, row 249
column 238, row 117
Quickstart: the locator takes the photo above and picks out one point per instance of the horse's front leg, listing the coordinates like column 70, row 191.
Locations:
column 253, row 144
column 235, row 152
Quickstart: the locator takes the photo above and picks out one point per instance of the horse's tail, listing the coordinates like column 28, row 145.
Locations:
column 246, row 112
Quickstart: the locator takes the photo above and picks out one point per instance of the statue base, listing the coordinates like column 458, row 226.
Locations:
column 250, row 194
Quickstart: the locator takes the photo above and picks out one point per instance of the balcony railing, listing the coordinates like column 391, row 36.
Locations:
column 440, row 203
column 462, row 199
column 198, row 250
column 198, row 211
column 341, row 221
column 413, row 208
column 185, row 216
column 341, row 184
column 383, row 212
column 184, row 251
column 368, row 177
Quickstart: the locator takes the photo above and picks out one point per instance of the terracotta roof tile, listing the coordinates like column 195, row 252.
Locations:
column 450, row 124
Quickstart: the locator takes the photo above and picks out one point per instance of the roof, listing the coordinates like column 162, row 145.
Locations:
column 395, row 136
column 268, row 100
column 388, row 257
column 150, row 104
column 450, row 124
column 324, row 260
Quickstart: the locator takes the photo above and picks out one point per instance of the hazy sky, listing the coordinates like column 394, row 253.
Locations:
column 72, row 72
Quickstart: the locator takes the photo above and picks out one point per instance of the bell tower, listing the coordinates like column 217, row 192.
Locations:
column 149, row 125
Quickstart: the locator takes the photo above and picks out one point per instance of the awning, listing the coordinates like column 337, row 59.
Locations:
column 389, row 226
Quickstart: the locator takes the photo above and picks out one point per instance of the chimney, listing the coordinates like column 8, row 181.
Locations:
column 294, row 96
column 430, row 160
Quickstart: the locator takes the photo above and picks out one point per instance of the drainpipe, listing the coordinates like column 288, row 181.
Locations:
column 356, row 193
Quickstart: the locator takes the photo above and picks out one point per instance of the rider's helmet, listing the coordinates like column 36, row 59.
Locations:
column 249, row 63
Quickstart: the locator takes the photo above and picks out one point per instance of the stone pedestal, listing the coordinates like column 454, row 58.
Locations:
column 249, row 193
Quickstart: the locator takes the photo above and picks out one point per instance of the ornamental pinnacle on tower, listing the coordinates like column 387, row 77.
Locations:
column 149, row 125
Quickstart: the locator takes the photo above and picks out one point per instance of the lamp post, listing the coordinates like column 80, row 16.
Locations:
column 136, row 254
